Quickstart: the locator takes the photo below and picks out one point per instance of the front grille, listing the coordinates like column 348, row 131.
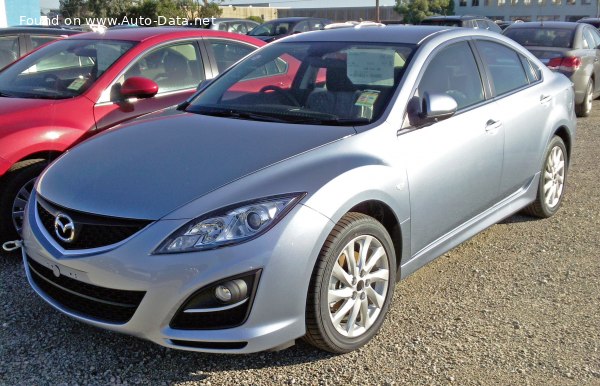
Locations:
column 91, row 231
column 105, row 304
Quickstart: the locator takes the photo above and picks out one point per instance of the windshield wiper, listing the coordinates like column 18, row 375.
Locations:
column 241, row 115
column 5, row 95
column 332, row 121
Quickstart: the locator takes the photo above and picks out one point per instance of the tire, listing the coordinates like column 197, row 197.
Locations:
column 363, row 297
column 585, row 108
column 20, row 178
column 552, row 180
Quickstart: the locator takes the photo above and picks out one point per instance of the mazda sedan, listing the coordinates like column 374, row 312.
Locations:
column 254, row 216
column 72, row 89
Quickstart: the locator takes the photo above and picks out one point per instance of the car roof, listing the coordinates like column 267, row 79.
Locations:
column 38, row 30
column 294, row 18
column 408, row 34
column 545, row 24
column 455, row 17
column 144, row 33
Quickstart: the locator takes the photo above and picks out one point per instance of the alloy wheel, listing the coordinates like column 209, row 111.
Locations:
column 18, row 207
column 554, row 176
column 358, row 286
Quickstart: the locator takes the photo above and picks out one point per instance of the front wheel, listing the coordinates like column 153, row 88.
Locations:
column 552, row 180
column 17, row 185
column 351, row 286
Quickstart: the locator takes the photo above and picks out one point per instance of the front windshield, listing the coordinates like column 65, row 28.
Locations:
column 63, row 69
column 337, row 83
column 271, row 29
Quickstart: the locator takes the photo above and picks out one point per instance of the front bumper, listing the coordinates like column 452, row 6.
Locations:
column 285, row 256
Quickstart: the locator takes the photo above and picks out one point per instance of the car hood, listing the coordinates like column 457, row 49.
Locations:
column 12, row 111
column 147, row 170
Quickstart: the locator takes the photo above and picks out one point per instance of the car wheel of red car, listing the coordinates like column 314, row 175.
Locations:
column 18, row 183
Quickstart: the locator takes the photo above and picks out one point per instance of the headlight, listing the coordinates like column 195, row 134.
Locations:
column 230, row 225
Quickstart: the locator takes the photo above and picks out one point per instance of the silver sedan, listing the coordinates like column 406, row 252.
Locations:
column 288, row 196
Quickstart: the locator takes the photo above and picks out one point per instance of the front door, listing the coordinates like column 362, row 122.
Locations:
column 453, row 166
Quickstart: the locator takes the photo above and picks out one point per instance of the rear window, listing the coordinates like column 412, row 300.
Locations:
column 542, row 37
column 442, row 22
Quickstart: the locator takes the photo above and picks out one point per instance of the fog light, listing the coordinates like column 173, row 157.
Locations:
column 223, row 293
column 232, row 291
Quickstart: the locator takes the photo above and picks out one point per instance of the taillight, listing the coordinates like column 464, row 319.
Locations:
column 570, row 63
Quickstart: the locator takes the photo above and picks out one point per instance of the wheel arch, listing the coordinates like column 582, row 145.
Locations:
column 49, row 156
column 381, row 212
column 564, row 134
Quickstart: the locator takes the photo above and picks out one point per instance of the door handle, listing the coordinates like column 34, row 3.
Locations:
column 491, row 126
column 545, row 98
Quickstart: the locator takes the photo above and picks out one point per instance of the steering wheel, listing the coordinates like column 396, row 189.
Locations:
column 280, row 91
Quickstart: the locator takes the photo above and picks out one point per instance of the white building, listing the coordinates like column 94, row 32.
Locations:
column 529, row 10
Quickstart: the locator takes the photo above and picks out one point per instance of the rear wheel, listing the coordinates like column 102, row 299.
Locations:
column 14, row 195
column 585, row 108
column 552, row 180
column 352, row 285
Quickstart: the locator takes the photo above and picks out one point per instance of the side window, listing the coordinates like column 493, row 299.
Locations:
column 316, row 25
column 274, row 67
column 482, row 24
column 301, row 27
column 596, row 37
column 174, row 67
column 533, row 72
column 228, row 52
column 588, row 38
column 453, row 71
column 9, row 50
column 37, row 41
column 505, row 67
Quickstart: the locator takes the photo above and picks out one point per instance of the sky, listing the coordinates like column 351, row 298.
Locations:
column 53, row 4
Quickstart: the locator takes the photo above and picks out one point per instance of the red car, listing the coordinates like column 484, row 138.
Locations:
column 76, row 87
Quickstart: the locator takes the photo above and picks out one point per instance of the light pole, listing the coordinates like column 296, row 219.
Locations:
column 377, row 11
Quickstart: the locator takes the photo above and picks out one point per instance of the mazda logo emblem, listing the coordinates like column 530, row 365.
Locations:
column 64, row 227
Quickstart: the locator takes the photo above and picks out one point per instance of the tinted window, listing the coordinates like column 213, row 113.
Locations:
column 37, row 41
column 588, row 39
column 227, row 52
column 302, row 27
column 9, row 49
column 533, row 72
column 504, row 65
column 543, row 37
column 174, row 67
column 453, row 71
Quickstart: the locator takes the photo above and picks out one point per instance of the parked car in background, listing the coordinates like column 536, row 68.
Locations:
column 278, row 28
column 18, row 41
column 79, row 86
column 467, row 21
column 251, row 217
column 503, row 24
column 595, row 21
column 569, row 48
column 240, row 26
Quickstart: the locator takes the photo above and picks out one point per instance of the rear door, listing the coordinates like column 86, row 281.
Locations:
column 592, row 40
column 524, row 105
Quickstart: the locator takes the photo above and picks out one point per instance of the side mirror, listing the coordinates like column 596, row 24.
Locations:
column 138, row 87
column 437, row 107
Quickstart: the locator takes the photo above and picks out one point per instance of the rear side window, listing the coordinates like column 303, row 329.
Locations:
column 227, row 52
column 588, row 39
column 453, row 71
column 9, row 50
column 37, row 41
column 504, row 65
